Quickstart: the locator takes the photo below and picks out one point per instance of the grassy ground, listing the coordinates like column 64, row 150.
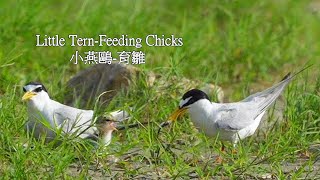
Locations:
column 244, row 46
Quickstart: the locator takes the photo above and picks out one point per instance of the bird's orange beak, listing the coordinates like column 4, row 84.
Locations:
column 28, row 95
column 177, row 113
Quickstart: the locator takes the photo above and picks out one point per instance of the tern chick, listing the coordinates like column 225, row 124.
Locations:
column 105, row 131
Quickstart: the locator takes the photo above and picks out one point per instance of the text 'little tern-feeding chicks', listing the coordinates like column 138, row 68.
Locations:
column 45, row 115
column 229, row 121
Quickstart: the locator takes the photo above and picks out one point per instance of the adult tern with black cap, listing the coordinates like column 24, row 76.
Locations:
column 229, row 121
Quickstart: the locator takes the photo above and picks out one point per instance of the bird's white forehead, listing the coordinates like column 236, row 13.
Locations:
column 184, row 101
column 31, row 87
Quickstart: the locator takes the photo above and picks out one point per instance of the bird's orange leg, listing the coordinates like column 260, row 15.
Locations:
column 219, row 159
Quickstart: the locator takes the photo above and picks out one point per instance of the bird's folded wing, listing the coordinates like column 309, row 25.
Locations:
column 236, row 117
column 265, row 98
column 243, row 113
column 75, row 120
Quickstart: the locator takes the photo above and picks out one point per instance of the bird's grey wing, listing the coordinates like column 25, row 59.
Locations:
column 236, row 117
column 243, row 113
column 74, row 120
column 265, row 98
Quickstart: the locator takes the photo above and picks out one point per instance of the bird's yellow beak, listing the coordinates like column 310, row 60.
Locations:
column 177, row 113
column 28, row 95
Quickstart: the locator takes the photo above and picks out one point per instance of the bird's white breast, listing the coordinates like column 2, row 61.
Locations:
column 39, row 123
column 202, row 116
column 106, row 138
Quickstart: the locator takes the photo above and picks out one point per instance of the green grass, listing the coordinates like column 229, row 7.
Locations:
column 243, row 46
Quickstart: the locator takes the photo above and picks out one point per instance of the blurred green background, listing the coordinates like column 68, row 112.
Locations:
column 228, row 41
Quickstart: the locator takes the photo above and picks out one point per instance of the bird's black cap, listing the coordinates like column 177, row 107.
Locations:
column 195, row 95
column 36, row 84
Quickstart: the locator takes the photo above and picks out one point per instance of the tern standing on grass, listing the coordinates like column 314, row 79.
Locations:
column 229, row 121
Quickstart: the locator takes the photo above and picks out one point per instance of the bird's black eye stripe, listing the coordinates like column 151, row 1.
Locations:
column 38, row 89
column 24, row 90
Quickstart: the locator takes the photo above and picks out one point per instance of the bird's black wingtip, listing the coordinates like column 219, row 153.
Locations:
column 286, row 76
column 290, row 75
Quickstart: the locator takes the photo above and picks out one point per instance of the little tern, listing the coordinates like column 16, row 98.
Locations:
column 229, row 121
column 45, row 116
